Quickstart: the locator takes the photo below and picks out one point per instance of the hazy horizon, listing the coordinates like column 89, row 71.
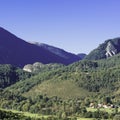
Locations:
column 77, row 26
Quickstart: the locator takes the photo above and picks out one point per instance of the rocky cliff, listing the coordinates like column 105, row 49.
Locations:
column 107, row 49
column 110, row 49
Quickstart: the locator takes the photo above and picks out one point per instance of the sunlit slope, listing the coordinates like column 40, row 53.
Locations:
column 63, row 89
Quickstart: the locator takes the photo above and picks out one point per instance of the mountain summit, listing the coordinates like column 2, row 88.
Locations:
column 16, row 51
column 107, row 49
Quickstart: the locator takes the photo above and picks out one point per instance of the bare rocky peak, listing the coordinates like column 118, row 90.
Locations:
column 110, row 49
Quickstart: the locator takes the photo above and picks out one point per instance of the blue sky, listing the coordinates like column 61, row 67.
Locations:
column 77, row 26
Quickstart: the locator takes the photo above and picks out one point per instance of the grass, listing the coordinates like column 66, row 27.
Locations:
column 28, row 114
column 63, row 89
column 85, row 118
column 109, row 110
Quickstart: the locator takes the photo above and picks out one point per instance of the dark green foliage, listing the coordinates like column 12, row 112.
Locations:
column 109, row 62
column 98, row 53
column 84, row 65
column 25, row 85
column 10, row 75
column 8, row 115
column 94, row 76
column 116, row 117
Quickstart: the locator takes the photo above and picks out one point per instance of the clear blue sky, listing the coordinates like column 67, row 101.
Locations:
column 77, row 26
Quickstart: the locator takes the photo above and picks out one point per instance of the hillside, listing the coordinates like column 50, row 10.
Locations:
column 81, row 55
column 39, row 67
column 67, row 89
column 10, row 75
column 89, row 76
column 18, row 52
column 60, row 52
column 61, row 91
column 107, row 49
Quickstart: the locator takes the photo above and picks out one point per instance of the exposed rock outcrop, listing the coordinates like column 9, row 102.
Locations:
column 110, row 49
column 37, row 67
column 33, row 68
column 107, row 49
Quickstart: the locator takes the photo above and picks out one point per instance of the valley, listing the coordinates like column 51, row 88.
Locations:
column 66, row 91
column 69, row 89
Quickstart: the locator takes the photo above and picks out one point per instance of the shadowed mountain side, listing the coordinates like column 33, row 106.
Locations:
column 81, row 55
column 70, row 57
column 16, row 51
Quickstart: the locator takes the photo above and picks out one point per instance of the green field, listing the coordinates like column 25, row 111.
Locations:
column 31, row 115
column 66, row 90
column 28, row 114
column 85, row 119
column 109, row 110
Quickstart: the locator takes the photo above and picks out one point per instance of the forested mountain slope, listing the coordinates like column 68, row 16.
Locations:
column 88, row 76
column 107, row 49
column 10, row 75
column 67, row 89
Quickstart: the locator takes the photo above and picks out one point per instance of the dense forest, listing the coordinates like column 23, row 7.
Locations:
column 10, row 74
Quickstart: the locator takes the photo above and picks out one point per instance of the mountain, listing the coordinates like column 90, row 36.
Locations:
column 16, row 51
column 81, row 55
column 80, row 79
column 55, row 89
column 59, row 52
column 68, row 89
column 10, row 75
column 107, row 49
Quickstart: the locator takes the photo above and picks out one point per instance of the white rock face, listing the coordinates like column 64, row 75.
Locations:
column 32, row 68
column 28, row 68
column 38, row 67
column 110, row 50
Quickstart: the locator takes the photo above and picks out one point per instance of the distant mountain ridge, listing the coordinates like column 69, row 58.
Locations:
column 81, row 55
column 107, row 49
column 16, row 51
column 60, row 52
